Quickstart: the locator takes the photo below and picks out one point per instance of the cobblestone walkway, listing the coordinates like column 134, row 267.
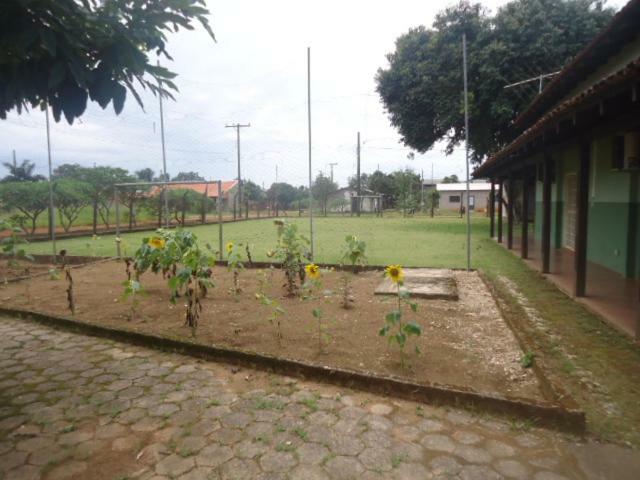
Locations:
column 79, row 407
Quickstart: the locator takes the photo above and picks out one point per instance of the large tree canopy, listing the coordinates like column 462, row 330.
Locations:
column 422, row 86
column 67, row 51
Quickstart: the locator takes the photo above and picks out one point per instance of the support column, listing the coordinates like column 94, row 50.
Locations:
column 510, row 211
column 546, row 213
column 500, row 195
column 582, row 205
column 492, row 208
column 524, row 239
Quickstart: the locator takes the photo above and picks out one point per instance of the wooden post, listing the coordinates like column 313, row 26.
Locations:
column 510, row 211
column 546, row 213
column 492, row 208
column 500, row 195
column 524, row 239
column 582, row 214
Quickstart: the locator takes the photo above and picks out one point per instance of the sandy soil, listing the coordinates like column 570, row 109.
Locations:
column 464, row 343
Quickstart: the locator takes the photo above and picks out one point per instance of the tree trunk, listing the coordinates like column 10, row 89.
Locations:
column 131, row 215
column 95, row 216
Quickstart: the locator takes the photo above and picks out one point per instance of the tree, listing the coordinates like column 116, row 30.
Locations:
column 29, row 198
column 65, row 52
column 321, row 189
column 381, row 183
column 188, row 177
column 22, row 172
column 145, row 175
column 406, row 185
column 154, row 205
column 183, row 200
column 364, row 182
column 451, row 179
column 71, row 196
column 282, row 195
column 422, row 86
column 100, row 182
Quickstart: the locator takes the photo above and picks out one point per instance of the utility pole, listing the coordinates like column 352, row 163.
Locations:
column 164, row 156
column 238, row 126
column 15, row 163
column 466, row 135
column 331, row 165
column 359, row 186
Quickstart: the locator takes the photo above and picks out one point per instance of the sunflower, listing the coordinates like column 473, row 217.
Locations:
column 229, row 247
column 395, row 273
column 156, row 243
column 313, row 271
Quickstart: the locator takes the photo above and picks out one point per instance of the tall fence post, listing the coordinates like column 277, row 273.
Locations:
column 220, row 218
column 116, row 201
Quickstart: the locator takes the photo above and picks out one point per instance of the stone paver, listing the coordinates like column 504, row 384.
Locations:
column 79, row 407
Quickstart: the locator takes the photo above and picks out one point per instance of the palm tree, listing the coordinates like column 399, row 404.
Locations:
column 22, row 172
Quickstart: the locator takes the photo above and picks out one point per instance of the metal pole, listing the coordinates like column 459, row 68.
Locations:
column 164, row 156
column 220, row 218
column 238, row 126
column 309, row 126
column 359, row 189
column 116, row 200
column 466, row 136
column 52, row 210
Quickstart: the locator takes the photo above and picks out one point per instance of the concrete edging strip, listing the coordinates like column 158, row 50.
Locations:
column 544, row 414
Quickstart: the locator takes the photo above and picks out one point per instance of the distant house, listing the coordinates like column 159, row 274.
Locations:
column 573, row 166
column 229, row 190
column 453, row 196
column 344, row 200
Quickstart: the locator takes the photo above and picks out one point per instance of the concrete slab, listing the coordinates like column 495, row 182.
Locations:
column 430, row 283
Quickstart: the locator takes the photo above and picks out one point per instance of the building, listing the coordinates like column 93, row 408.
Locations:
column 572, row 170
column 453, row 196
column 229, row 190
column 344, row 200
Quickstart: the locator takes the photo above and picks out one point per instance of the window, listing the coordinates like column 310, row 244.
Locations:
column 454, row 198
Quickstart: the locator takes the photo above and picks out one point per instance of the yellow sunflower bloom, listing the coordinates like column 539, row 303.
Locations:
column 229, row 247
column 157, row 243
column 395, row 273
column 313, row 271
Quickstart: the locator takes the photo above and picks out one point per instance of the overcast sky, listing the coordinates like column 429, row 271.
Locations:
column 256, row 73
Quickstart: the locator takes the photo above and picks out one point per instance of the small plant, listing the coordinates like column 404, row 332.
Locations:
column 195, row 278
column 395, row 329
column 54, row 274
column 527, row 360
column 11, row 243
column 132, row 289
column 353, row 254
column 274, row 316
column 92, row 246
column 235, row 265
column 293, row 253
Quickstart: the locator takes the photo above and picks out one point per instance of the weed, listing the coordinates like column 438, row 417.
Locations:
column 301, row 432
column 527, row 360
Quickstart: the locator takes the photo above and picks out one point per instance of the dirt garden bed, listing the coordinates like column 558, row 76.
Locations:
column 11, row 270
column 464, row 343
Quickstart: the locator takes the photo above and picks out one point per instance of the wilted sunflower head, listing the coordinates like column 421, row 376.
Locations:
column 229, row 247
column 395, row 273
column 157, row 243
column 313, row 271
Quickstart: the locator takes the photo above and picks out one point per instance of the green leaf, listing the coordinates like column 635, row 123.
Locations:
column 393, row 317
column 383, row 331
column 414, row 306
column 412, row 329
column 317, row 313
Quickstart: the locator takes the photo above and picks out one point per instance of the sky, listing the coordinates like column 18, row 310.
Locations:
column 256, row 73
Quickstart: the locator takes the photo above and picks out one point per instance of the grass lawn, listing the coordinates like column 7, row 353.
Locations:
column 598, row 366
